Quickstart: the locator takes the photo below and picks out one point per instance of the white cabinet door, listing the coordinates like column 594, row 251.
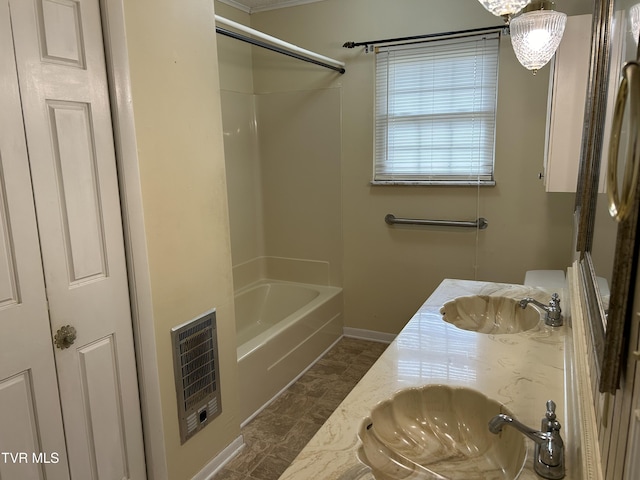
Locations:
column 65, row 107
column 567, row 93
column 565, row 110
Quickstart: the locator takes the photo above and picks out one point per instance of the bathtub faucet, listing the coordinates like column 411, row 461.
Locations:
column 548, row 460
column 553, row 313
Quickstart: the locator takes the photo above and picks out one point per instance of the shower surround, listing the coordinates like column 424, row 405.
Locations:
column 282, row 153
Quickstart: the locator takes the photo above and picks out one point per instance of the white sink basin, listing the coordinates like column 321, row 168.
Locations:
column 487, row 314
column 439, row 432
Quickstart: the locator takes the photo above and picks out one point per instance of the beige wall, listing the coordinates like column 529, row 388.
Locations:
column 176, row 102
column 388, row 272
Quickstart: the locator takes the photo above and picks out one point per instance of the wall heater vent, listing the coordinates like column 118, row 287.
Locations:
column 195, row 363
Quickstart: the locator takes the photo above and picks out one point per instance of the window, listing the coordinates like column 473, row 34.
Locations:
column 436, row 111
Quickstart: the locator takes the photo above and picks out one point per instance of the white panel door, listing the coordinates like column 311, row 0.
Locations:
column 30, row 416
column 63, row 85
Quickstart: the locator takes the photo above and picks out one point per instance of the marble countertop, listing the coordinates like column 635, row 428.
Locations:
column 522, row 371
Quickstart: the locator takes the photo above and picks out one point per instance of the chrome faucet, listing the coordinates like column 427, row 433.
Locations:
column 549, row 448
column 553, row 313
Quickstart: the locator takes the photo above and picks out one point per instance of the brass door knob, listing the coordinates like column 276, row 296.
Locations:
column 64, row 337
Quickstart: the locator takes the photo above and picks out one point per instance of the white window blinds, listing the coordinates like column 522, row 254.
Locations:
column 436, row 110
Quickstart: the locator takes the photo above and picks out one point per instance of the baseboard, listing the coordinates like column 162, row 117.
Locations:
column 368, row 335
column 220, row 460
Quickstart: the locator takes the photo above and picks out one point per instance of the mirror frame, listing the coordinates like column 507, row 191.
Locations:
column 608, row 329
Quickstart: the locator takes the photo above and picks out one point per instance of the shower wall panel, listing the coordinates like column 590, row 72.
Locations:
column 243, row 176
column 299, row 137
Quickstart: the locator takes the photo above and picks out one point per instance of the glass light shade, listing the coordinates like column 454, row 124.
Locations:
column 634, row 20
column 504, row 7
column 535, row 37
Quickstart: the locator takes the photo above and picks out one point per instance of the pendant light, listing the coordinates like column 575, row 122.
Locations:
column 634, row 21
column 504, row 8
column 536, row 34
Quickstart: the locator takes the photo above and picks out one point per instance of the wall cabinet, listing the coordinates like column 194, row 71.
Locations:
column 565, row 110
column 567, row 95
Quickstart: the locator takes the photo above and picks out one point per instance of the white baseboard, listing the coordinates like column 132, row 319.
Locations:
column 220, row 460
column 368, row 335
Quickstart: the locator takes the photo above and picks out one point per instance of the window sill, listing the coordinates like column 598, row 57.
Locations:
column 435, row 183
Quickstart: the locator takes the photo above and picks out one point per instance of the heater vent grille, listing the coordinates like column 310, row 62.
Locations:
column 195, row 349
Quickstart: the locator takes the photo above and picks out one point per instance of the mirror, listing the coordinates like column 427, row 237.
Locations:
column 606, row 245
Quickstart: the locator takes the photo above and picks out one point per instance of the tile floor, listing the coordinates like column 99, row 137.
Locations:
column 280, row 431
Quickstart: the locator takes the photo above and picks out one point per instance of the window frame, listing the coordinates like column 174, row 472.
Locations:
column 468, row 178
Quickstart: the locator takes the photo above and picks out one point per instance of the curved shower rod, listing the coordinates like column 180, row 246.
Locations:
column 277, row 45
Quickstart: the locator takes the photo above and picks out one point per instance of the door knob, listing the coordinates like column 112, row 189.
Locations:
column 64, row 337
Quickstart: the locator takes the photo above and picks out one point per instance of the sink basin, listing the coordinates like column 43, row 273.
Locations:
column 487, row 314
column 439, row 432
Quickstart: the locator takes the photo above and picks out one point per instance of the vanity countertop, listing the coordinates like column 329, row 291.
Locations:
column 522, row 371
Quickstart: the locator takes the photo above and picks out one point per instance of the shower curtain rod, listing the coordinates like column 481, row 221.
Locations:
column 277, row 45
column 426, row 36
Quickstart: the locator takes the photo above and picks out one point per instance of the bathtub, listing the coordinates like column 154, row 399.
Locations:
column 281, row 329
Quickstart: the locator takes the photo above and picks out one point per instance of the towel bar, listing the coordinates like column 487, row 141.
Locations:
column 481, row 223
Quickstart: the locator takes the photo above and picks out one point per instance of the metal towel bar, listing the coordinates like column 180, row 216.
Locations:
column 481, row 223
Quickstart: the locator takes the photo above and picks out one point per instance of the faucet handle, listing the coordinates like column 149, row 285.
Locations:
column 554, row 312
column 554, row 303
column 551, row 410
column 549, row 422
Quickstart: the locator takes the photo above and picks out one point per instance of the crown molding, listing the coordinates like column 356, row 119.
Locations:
column 234, row 4
column 263, row 8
